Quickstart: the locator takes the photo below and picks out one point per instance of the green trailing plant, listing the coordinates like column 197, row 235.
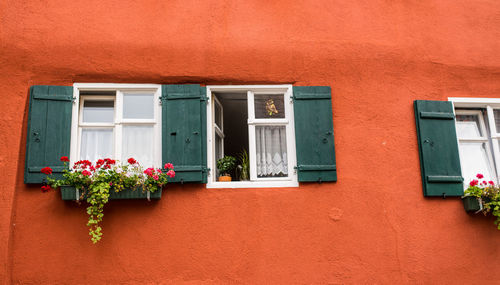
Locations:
column 245, row 165
column 226, row 164
column 96, row 181
column 488, row 195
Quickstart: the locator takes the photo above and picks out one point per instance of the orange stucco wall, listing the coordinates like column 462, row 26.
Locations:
column 372, row 226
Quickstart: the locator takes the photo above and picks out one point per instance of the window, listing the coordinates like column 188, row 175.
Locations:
column 117, row 121
column 259, row 120
column 478, row 125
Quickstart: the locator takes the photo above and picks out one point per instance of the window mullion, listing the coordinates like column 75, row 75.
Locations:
column 118, row 125
column 252, row 152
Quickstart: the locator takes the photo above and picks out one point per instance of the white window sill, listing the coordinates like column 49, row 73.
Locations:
column 254, row 184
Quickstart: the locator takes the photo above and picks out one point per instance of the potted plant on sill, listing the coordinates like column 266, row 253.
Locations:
column 225, row 165
column 244, row 165
column 483, row 196
column 97, row 181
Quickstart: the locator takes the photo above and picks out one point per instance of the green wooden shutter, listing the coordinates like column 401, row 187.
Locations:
column 184, row 131
column 438, row 148
column 49, row 130
column 314, row 133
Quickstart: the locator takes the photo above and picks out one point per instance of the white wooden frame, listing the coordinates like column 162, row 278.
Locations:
column 492, row 137
column 253, row 90
column 117, row 126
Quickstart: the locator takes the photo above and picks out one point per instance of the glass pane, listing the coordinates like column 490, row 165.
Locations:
column 271, row 156
column 269, row 106
column 474, row 159
column 96, row 143
column 218, row 115
column 497, row 120
column 218, row 151
column 138, row 106
column 98, row 111
column 138, row 142
column 468, row 126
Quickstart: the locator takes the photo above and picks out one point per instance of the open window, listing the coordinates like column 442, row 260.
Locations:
column 257, row 120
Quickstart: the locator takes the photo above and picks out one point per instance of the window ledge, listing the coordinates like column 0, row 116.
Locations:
column 252, row 184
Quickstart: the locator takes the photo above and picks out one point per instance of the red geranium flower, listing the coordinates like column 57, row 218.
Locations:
column 45, row 188
column 64, row 159
column 171, row 173
column 132, row 161
column 479, row 175
column 149, row 171
column 169, row 166
column 86, row 173
column 474, row 182
column 46, row 170
column 491, row 182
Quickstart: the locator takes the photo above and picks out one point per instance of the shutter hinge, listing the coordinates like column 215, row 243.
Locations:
column 207, row 170
column 203, row 98
column 74, row 99
column 160, row 100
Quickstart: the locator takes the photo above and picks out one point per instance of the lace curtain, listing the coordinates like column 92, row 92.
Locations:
column 271, row 151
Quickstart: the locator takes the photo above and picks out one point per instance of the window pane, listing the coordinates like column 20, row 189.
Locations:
column 98, row 111
column 474, row 159
column 497, row 120
column 138, row 106
column 138, row 142
column 269, row 106
column 218, row 115
column 96, row 143
column 271, row 156
column 468, row 126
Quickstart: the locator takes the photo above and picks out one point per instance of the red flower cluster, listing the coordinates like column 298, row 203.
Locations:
column 151, row 171
column 132, row 161
column 171, row 173
column 45, row 188
column 82, row 164
column 106, row 163
column 64, row 159
column 474, row 182
column 86, row 173
column 169, row 166
column 46, row 170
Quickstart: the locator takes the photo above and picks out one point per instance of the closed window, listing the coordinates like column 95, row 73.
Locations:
column 478, row 140
column 116, row 121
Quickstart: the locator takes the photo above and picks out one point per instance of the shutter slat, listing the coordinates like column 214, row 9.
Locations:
column 314, row 134
column 184, row 131
column 49, row 130
column 438, row 148
column 442, row 178
column 437, row 115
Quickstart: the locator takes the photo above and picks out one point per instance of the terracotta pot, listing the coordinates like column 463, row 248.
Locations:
column 224, row 178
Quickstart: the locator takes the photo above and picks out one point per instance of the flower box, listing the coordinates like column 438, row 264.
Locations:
column 69, row 193
column 471, row 204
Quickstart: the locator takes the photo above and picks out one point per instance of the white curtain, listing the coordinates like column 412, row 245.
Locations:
column 271, row 151
column 138, row 143
column 96, row 144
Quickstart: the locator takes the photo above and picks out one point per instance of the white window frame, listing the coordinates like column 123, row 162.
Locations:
column 288, row 121
column 77, row 124
column 490, row 104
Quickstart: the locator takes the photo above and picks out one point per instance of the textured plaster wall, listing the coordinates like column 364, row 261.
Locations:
column 372, row 226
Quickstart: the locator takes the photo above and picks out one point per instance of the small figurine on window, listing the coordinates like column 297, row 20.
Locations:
column 271, row 108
